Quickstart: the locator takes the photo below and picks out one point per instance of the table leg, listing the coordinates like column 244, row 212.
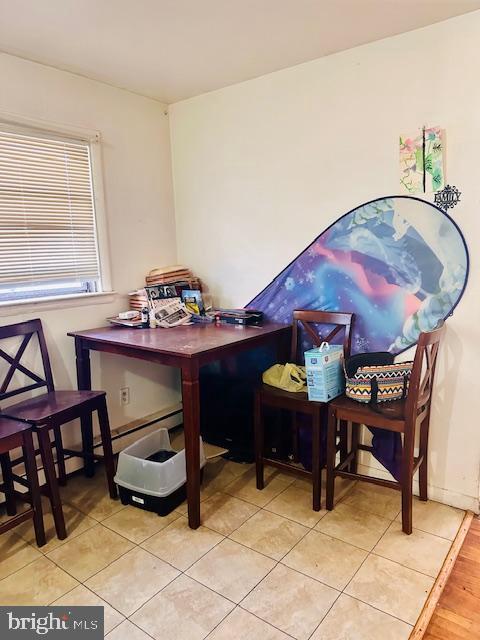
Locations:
column 84, row 382
column 283, row 347
column 191, row 426
column 316, row 468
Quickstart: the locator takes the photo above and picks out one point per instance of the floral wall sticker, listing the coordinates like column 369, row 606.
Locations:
column 422, row 158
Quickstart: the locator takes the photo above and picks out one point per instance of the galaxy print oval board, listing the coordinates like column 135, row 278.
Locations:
column 399, row 263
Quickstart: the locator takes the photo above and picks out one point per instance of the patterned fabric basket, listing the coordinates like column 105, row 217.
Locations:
column 379, row 383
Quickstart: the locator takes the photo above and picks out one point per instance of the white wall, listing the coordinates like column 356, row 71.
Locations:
column 140, row 218
column 262, row 167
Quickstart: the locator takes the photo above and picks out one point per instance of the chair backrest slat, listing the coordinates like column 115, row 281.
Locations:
column 28, row 387
column 423, row 372
column 14, row 362
column 311, row 320
column 27, row 330
column 316, row 339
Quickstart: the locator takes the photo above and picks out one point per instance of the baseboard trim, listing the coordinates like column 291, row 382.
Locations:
column 169, row 417
column 452, row 498
column 445, row 496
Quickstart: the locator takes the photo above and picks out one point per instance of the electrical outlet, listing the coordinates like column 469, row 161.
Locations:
column 125, row 395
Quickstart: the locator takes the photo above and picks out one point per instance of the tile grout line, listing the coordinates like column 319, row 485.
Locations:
column 125, row 617
column 227, row 537
column 182, row 572
column 137, row 545
column 115, row 501
column 8, row 575
column 370, row 553
column 97, row 522
column 264, row 508
column 309, row 529
column 330, row 535
column 137, row 627
column 276, row 514
column 277, row 562
column 155, row 594
column 82, row 582
column 97, row 596
column 427, row 575
column 436, row 534
column 239, row 605
column 391, row 615
column 60, row 542
column 356, row 572
column 343, row 592
column 289, row 635
column 272, row 477
column 326, row 614
column 149, row 537
column 295, row 521
column 96, row 572
column 195, row 561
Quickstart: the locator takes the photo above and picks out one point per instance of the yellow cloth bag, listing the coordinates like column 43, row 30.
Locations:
column 289, row 377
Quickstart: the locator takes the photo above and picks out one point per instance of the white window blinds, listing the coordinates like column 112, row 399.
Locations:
column 47, row 213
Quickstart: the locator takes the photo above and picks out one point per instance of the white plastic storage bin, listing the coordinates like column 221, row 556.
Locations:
column 151, row 475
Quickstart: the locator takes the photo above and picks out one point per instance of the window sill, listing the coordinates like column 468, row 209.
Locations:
column 15, row 307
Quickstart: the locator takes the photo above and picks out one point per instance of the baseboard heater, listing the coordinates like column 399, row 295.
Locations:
column 141, row 423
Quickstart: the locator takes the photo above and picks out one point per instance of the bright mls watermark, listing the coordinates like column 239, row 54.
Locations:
column 25, row 623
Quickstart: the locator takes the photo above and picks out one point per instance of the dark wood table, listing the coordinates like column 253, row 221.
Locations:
column 188, row 348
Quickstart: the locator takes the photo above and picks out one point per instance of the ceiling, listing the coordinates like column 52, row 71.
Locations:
column 173, row 49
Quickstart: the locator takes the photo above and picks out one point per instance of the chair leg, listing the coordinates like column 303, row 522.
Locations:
column 331, row 453
column 316, row 470
column 407, row 481
column 354, row 449
column 62, row 473
column 295, row 436
column 259, row 440
column 86, row 425
column 51, row 480
column 423, row 469
column 35, row 496
column 343, row 440
column 8, row 487
column 107, row 447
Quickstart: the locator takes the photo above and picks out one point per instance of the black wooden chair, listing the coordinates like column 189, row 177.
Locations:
column 13, row 435
column 402, row 416
column 49, row 411
column 298, row 402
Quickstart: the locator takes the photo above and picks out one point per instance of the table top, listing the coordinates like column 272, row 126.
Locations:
column 186, row 341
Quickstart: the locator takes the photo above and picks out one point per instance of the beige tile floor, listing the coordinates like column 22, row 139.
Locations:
column 262, row 566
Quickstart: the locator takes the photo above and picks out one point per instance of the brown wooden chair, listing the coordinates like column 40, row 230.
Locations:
column 298, row 402
column 49, row 411
column 402, row 416
column 13, row 435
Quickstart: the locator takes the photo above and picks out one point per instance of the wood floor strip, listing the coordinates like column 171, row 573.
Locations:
column 430, row 605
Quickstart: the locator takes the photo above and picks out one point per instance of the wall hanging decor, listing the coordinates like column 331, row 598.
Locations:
column 448, row 197
column 399, row 263
column 422, row 158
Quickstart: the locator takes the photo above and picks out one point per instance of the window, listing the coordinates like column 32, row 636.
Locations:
column 48, row 233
